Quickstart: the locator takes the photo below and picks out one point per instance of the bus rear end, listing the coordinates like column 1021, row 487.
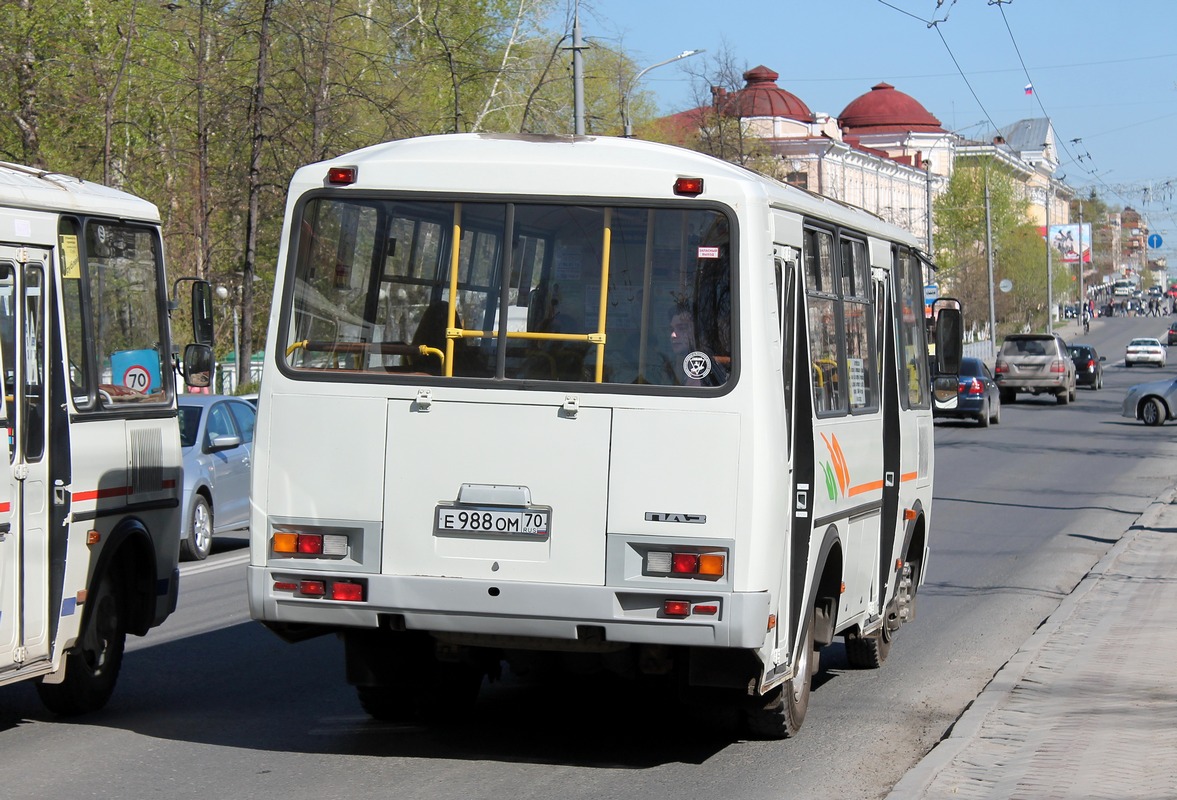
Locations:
column 500, row 418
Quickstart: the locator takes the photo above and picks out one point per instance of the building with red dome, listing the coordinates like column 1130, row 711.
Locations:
column 885, row 152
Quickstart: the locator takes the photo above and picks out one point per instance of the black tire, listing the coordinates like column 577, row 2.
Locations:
column 996, row 418
column 1152, row 412
column 780, row 712
column 983, row 417
column 867, row 652
column 199, row 542
column 1063, row 397
column 92, row 665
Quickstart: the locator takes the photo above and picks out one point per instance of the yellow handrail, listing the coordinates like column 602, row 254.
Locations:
column 452, row 309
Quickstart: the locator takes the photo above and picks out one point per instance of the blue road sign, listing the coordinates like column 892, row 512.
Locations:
column 1154, row 240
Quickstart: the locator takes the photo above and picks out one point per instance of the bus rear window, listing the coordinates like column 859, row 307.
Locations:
column 531, row 292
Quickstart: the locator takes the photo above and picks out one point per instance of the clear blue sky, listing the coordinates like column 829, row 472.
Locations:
column 1103, row 71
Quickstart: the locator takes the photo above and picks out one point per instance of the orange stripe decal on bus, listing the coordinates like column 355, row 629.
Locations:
column 908, row 476
column 865, row 487
column 5, row 508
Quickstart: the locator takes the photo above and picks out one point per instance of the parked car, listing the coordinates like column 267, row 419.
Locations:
column 977, row 395
column 1144, row 350
column 1088, row 365
column 1152, row 403
column 1035, row 363
column 1172, row 337
column 216, row 439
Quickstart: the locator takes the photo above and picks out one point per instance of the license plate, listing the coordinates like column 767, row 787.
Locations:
column 524, row 523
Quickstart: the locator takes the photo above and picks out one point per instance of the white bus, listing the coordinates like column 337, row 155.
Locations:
column 541, row 399
column 90, row 502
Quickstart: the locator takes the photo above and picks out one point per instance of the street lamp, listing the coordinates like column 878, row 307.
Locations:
column 633, row 84
column 223, row 294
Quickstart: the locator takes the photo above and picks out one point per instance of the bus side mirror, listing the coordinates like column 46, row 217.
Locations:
column 949, row 340
column 202, row 314
column 198, row 365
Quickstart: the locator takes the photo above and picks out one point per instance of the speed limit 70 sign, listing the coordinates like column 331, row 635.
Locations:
column 138, row 370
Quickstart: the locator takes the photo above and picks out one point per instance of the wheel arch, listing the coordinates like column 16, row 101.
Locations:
column 828, row 586
column 129, row 554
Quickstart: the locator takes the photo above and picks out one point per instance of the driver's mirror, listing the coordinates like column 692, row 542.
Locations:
column 198, row 365
column 949, row 339
column 202, row 313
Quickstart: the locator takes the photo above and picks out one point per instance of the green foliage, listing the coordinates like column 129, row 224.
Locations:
column 156, row 98
column 961, row 239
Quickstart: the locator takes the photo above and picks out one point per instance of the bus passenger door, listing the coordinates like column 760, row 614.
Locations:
column 24, row 566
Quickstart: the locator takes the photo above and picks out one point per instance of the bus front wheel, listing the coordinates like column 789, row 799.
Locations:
column 92, row 665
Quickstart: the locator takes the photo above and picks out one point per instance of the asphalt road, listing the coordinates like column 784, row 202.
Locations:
column 212, row 705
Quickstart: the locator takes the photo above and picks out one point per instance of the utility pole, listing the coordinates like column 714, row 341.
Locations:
column 1082, row 296
column 989, row 265
column 928, row 168
column 578, row 72
column 1049, row 261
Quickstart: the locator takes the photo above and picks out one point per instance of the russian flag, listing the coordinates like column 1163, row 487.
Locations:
column 1029, row 88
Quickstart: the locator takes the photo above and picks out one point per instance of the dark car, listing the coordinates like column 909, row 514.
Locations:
column 1172, row 339
column 1088, row 365
column 977, row 395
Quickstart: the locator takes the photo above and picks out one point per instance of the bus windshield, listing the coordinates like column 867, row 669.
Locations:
column 114, row 321
column 530, row 292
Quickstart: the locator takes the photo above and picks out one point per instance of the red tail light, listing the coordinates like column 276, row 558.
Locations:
column 1091, row 365
column 974, row 387
column 1057, row 366
column 1001, row 366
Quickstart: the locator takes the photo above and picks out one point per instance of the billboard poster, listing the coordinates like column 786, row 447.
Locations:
column 1065, row 240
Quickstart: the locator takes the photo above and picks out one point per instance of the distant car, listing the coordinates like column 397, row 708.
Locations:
column 1172, row 336
column 1144, row 350
column 1037, row 363
column 1088, row 365
column 216, row 439
column 1152, row 403
column 977, row 395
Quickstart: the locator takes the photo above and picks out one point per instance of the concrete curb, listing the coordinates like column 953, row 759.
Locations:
column 962, row 733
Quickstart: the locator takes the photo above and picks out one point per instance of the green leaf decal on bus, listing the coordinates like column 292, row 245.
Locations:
column 831, row 482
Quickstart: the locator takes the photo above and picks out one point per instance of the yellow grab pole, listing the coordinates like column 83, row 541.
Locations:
column 452, row 310
column 606, row 245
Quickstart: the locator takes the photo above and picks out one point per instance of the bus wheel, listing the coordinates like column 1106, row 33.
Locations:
column 778, row 713
column 870, row 651
column 92, row 665
column 199, row 542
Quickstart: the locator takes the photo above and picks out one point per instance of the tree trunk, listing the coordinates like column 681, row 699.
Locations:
column 257, row 140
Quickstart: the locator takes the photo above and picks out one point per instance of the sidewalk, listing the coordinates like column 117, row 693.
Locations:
column 1087, row 708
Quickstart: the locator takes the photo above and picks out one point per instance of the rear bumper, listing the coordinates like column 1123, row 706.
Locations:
column 521, row 611
column 1036, row 385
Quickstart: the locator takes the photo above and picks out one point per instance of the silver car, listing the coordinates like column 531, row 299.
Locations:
column 216, row 438
column 1035, row 363
column 1152, row 403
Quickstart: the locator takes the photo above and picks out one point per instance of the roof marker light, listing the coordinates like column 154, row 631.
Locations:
column 688, row 187
column 341, row 176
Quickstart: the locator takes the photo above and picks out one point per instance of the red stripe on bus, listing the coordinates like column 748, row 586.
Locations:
column 5, row 508
column 118, row 491
column 102, row 494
